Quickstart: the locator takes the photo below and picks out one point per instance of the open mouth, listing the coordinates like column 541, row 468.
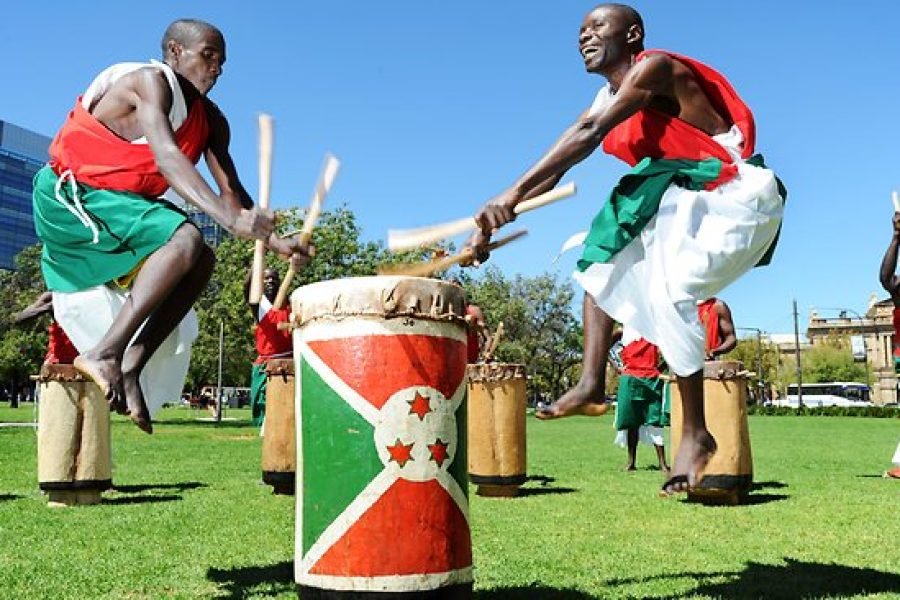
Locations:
column 589, row 51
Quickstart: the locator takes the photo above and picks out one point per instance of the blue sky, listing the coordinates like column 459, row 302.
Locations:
column 435, row 107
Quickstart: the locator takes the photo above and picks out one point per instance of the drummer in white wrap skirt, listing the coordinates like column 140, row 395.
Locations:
column 696, row 211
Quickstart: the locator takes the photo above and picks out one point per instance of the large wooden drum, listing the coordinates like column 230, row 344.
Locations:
column 74, row 454
column 497, row 399
column 728, row 477
column 382, row 505
column 279, row 448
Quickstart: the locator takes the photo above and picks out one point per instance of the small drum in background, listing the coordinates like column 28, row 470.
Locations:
column 382, row 506
column 279, row 442
column 497, row 399
column 74, row 453
column 728, row 477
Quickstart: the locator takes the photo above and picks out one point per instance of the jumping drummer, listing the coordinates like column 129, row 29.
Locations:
column 136, row 131
column 271, row 342
column 690, row 140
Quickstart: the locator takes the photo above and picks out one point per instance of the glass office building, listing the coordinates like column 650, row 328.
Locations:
column 22, row 153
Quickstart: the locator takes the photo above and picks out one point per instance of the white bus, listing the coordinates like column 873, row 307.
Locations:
column 832, row 393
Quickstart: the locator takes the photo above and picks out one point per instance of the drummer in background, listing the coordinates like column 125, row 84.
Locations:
column 891, row 283
column 60, row 349
column 271, row 342
column 720, row 332
column 477, row 332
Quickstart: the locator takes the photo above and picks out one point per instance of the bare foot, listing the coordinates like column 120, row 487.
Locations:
column 892, row 473
column 106, row 373
column 629, row 467
column 577, row 401
column 693, row 456
column 134, row 398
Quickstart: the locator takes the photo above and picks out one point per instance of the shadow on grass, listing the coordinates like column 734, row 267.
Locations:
column 141, row 500
column 531, row 593
column 236, row 424
column 796, row 579
column 144, row 487
column 545, row 488
column 768, row 485
column 6, row 497
column 241, row 582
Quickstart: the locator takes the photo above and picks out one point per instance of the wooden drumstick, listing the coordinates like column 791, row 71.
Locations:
column 408, row 239
column 265, row 179
column 896, row 200
column 489, row 354
column 326, row 178
column 428, row 268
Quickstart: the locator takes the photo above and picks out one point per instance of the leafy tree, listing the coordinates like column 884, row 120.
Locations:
column 831, row 360
column 749, row 352
column 540, row 330
column 22, row 348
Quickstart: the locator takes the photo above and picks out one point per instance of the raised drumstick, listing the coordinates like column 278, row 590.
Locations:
column 428, row 268
column 326, row 178
column 896, row 200
column 408, row 239
column 495, row 341
column 265, row 180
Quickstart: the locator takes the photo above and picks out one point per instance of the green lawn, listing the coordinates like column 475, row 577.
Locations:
column 189, row 519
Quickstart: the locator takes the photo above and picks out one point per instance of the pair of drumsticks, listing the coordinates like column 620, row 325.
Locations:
column 417, row 238
column 326, row 179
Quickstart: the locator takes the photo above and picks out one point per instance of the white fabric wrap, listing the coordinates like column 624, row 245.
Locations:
column 698, row 243
column 87, row 315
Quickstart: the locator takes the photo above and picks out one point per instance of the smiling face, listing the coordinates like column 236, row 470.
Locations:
column 199, row 58
column 607, row 37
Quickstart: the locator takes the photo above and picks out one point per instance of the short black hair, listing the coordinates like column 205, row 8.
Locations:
column 185, row 31
column 632, row 17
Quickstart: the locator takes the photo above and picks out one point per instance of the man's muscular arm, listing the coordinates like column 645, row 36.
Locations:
column 727, row 331
column 645, row 80
column 889, row 279
column 152, row 98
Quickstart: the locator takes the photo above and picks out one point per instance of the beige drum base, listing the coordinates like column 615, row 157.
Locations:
column 67, row 498
column 498, row 491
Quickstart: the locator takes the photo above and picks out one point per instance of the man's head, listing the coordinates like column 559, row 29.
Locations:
column 196, row 51
column 610, row 36
column 271, row 283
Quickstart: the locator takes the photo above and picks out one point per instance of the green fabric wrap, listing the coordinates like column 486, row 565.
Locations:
column 635, row 199
column 258, row 393
column 639, row 402
column 131, row 227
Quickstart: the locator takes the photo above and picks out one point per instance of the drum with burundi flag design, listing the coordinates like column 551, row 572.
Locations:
column 382, row 507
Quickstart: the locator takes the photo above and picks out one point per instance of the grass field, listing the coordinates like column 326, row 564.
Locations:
column 189, row 519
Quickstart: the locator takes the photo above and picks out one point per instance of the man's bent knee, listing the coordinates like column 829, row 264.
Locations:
column 189, row 243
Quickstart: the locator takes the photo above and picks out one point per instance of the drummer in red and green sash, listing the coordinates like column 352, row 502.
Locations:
column 891, row 283
column 697, row 210
column 721, row 337
column 271, row 342
column 137, row 130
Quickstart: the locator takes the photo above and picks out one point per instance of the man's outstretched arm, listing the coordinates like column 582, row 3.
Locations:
column 645, row 80
column 889, row 279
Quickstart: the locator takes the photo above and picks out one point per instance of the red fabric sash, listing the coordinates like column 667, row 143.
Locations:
column 710, row 319
column 101, row 159
column 270, row 340
column 640, row 359
column 60, row 349
column 651, row 133
column 896, row 331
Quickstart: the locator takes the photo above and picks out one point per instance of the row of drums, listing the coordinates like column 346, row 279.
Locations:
column 379, row 424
